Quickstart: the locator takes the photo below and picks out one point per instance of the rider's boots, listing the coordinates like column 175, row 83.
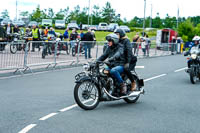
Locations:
column 123, row 88
column 133, row 86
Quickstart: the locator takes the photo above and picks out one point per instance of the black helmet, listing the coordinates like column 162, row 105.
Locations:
column 112, row 37
column 121, row 32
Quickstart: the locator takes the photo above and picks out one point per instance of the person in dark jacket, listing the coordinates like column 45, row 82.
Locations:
column 9, row 31
column 16, row 29
column 130, row 59
column 88, row 38
column 2, row 37
column 73, row 38
column 116, row 59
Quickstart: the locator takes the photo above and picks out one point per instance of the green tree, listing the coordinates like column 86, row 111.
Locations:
column 24, row 14
column 157, row 22
column 60, row 15
column 186, row 30
column 96, row 15
column 108, row 14
column 5, row 14
column 37, row 15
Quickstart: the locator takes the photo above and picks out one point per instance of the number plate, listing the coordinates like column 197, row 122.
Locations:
column 78, row 76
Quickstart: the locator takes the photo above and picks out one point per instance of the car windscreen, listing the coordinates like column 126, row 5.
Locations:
column 103, row 24
column 60, row 21
column 46, row 21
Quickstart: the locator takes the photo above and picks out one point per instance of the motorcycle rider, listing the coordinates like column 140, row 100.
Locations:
column 16, row 29
column 116, row 59
column 130, row 58
column 195, row 43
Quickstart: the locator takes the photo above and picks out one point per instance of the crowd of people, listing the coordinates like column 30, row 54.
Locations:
column 38, row 34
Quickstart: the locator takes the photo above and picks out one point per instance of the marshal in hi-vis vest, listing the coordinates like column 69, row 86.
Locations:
column 35, row 33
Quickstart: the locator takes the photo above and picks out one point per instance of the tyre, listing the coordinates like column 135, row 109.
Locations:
column 132, row 99
column 86, row 95
column 193, row 76
column 73, row 51
column 13, row 48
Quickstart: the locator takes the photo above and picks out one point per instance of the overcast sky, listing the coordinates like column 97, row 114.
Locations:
column 127, row 8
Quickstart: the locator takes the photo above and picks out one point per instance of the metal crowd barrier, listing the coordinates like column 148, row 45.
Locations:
column 21, row 56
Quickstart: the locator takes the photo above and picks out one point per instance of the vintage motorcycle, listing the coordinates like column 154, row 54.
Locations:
column 95, row 84
column 194, row 70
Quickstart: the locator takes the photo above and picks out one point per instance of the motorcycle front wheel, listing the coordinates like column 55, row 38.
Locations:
column 193, row 76
column 86, row 95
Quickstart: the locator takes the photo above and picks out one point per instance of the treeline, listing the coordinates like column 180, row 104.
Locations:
column 188, row 27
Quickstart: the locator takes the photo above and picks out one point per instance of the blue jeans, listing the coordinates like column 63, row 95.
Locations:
column 87, row 48
column 116, row 71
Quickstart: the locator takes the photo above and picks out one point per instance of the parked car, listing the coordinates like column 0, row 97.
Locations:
column 5, row 21
column 93, row 27
column 19, row 23
column 60, row 24
column 112, row 26
column 32, row 23
column 103, row 27
column 72, row 26
column 85, row 26
column 125, row 28
column 47, row 22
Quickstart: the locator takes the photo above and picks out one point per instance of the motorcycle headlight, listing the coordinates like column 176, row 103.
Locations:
column 86, row 67
column 194, row 56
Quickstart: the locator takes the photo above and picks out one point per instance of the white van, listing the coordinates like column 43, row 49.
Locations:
column 60, row 24
column 103, row 26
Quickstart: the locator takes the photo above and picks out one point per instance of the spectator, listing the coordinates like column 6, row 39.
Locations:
column 81, row 34
column 16, row 29
column 9, row 31
column 46, row 31
column 2, row 33
column 2, row 37
column 148, row 44
column 66, row 34
column 73, row 37
column 36, row 37
column 88, row 38
column 143, row 45
column 81, row 25
column 173, row 45
column 136, row 39
column 51, row 34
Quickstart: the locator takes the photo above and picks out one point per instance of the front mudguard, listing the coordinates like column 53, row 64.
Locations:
column 88, row 78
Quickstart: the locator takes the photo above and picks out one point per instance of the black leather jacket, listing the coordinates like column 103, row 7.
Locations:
column 115, row 55
column 127, row 49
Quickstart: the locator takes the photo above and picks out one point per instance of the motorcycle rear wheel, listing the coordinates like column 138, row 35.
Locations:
column 13, row 48
column 133, row 99
column 84, row 97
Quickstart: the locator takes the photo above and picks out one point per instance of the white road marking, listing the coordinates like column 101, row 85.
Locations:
column 180, row 69
column 68, row 108
column 27, row 128
column 155, row 77
column 48, row 116
column 73, row 106
column 139, row 67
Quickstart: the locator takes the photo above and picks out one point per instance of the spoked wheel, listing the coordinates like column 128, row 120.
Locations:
column 193, row 76
column 13, row 48
column 132, row 99
column 87, row 95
